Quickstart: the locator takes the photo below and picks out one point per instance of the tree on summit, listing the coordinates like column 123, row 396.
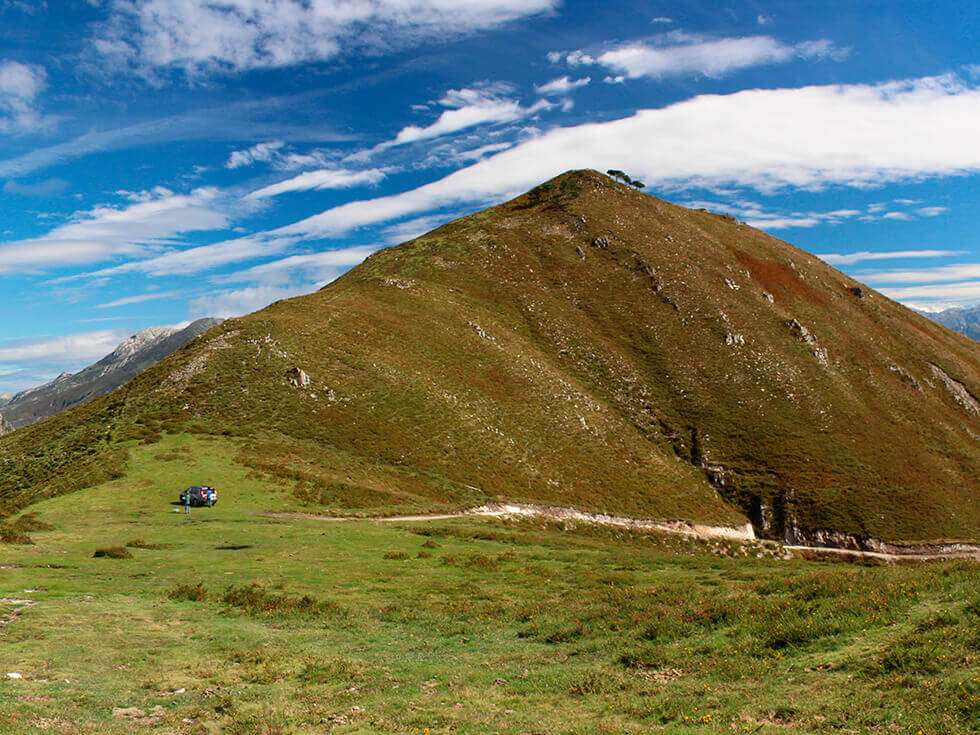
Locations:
column 625, row 178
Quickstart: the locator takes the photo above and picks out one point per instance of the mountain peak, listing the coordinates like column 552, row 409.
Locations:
column 585, row 345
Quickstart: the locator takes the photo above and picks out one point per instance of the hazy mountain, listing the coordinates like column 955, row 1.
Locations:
column 583, row 345
column 128, row 360
column 965, row 320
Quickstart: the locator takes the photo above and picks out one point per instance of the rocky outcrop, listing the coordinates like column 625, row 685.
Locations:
column 601, row 242
column 5, row 426
column 959, row 391
column 806, row 336
column 906, row 376
column 297, row 378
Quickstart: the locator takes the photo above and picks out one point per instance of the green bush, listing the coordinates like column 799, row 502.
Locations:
column 113, row 552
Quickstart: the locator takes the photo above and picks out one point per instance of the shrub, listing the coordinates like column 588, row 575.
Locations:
column 395, row 555
column 253, row 600
column 138, row 543
column 113, row 552
column 189, row 592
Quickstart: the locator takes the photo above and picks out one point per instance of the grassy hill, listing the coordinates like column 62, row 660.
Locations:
column 582, row 345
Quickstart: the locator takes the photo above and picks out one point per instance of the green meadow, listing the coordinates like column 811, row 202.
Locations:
column 226, row 620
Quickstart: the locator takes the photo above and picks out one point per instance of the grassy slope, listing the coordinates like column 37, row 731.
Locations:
column 505, row 627
column 489, row 360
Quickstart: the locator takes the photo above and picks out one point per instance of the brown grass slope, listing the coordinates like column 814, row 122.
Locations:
column 585, row 345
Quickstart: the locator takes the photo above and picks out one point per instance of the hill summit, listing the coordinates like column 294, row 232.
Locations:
column 582, row 345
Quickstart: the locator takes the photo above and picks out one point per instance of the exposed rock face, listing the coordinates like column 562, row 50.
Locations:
column 124, row 363
column 5, row 426
column 805, row 335
column 959, row 392
column 734, row 339
column 802, row 332
column 906, row 376
column 601, row 242
column 296, row 377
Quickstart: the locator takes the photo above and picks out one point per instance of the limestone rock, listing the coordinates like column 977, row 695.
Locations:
column 297, row 378
column 601, row 242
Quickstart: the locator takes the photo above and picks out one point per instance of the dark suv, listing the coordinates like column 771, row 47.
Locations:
column 199, row 495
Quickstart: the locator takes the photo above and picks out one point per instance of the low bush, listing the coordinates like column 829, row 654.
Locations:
column 113, row 552
column 253, row 600
column 189, row 592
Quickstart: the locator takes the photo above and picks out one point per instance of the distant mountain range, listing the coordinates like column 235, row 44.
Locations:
column 128, row 360
column 965, row 320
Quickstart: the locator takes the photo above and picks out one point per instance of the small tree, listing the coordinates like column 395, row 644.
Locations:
column 625, row 178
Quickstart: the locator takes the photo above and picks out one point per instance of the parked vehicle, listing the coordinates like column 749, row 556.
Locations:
column 199, row 495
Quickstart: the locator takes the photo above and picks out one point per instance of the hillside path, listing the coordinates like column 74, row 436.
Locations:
column 740, row 534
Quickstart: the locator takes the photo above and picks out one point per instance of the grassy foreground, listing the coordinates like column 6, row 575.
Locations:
column 228, row 621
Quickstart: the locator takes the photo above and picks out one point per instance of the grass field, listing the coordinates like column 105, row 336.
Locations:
column 267, row 625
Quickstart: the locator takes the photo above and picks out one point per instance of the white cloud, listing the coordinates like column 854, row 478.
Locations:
column 236, row 302
column 41, row 189
column 20, row 86
column 321, row 179
column 683, row 54
column 662, row 19
column 201, row 258
column 141, row 298
column 561, row 85
column 944, row 273
column 79, row 349
column 931, row 211
column 947, row 294
column 149, row 221
column 258, row 153
column 237, row 35
column 322, row 266
column 851, row 258
column 476, row 154
column 811, row 137
column 467, row 108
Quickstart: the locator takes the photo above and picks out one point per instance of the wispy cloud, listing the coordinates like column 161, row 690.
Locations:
column 943, row 273
column 863, row 255
column 139, row 299
column 39, row 189
column 945, row 294
column 675, row 54
column 201, row 258
column 310, row 267
column 258, row 153
column 78, row 349
column 232, row 122
column 335, row 178
column 20, row 86
column 467, row 108
column 561, row 85
column 237, row 35
column 148, row 221
column 773, row 139
column 236, row 302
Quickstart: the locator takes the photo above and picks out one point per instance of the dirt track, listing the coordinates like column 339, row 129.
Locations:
column 742, row 534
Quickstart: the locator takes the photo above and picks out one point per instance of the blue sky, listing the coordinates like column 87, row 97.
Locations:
column 163, row 160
